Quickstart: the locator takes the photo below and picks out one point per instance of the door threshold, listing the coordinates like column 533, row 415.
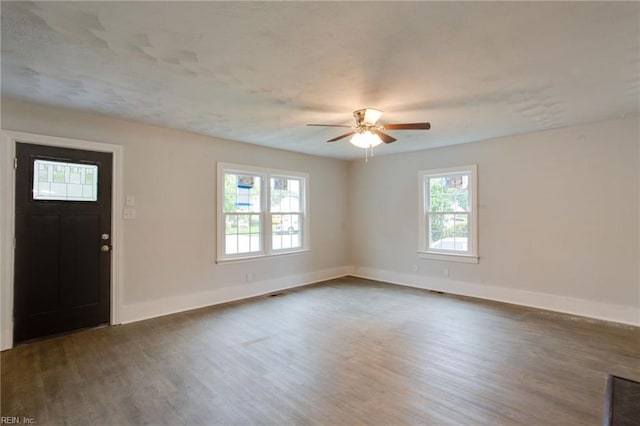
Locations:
column 62, row 334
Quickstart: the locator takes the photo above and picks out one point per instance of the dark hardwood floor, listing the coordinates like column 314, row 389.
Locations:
column 346, row 352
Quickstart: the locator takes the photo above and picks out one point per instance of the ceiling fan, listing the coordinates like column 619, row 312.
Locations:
column 367, row 133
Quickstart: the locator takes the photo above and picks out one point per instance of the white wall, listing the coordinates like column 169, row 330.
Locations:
column 169, row 249
column 558, row 220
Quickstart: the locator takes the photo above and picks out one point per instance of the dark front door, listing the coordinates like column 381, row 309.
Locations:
column 63, row 240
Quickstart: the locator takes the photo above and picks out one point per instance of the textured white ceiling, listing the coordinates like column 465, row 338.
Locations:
column 257, row 72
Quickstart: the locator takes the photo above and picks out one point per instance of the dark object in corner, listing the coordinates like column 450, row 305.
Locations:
column 623, row 402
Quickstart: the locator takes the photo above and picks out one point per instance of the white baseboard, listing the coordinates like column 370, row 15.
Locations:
column 569, row 305
column 6, row 341
column 170, row 305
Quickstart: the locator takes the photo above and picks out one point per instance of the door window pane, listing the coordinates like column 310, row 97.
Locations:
column 53, row 180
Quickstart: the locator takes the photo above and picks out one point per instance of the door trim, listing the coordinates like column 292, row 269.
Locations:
column 7, row 221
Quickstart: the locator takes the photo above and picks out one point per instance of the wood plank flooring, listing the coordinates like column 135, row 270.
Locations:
column 346, row 352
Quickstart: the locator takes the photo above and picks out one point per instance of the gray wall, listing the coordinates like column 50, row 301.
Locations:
column 558, row 218
column 170, row 247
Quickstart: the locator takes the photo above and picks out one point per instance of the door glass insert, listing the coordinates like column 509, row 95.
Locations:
column 54, row 180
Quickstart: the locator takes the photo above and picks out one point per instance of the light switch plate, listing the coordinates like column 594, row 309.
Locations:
column 129, row 213
column 130, row 201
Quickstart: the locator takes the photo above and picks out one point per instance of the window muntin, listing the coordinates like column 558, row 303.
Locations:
column 448, row 217
column 60, row 181
column 251, row 198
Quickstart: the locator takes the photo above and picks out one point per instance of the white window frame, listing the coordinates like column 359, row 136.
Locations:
column 424, row 252
column 265, row 212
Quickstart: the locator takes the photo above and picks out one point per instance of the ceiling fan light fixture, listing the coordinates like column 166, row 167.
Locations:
column 371, row 116
column 366, row 140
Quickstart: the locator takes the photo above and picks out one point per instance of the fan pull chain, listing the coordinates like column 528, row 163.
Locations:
column 368, row 153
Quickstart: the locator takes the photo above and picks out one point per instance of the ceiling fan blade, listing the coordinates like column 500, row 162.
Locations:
column 408, row 126
column 329, row 125
column 341, row 136
column 385, row 138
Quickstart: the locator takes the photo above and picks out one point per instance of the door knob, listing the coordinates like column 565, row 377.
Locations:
column 104, row 247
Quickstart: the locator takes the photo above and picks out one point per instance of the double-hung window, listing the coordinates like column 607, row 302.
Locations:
column 261, row 212
column 448, row 214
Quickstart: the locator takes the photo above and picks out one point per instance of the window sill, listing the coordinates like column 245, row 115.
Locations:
column 262, row 256
column 448, row 257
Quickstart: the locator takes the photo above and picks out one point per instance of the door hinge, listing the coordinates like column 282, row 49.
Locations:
column 15, row 163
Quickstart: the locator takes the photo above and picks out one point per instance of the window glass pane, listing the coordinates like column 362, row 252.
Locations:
column 460, row 232
column 436, row 194
column 282, row 224
column 231, row 231
column 449, row 193
column 242, row 233
column 449, row 231
column 285, row 194
column 285, row 231
column 241, row 192
column 436, row 230
column 53, row 180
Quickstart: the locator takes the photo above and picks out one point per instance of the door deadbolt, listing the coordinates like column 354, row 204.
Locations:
column 104, row 247
column 105, row 236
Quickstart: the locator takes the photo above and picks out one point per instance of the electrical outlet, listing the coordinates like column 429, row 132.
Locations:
column 249, row 277
column 415, row 268
column 445, row 272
